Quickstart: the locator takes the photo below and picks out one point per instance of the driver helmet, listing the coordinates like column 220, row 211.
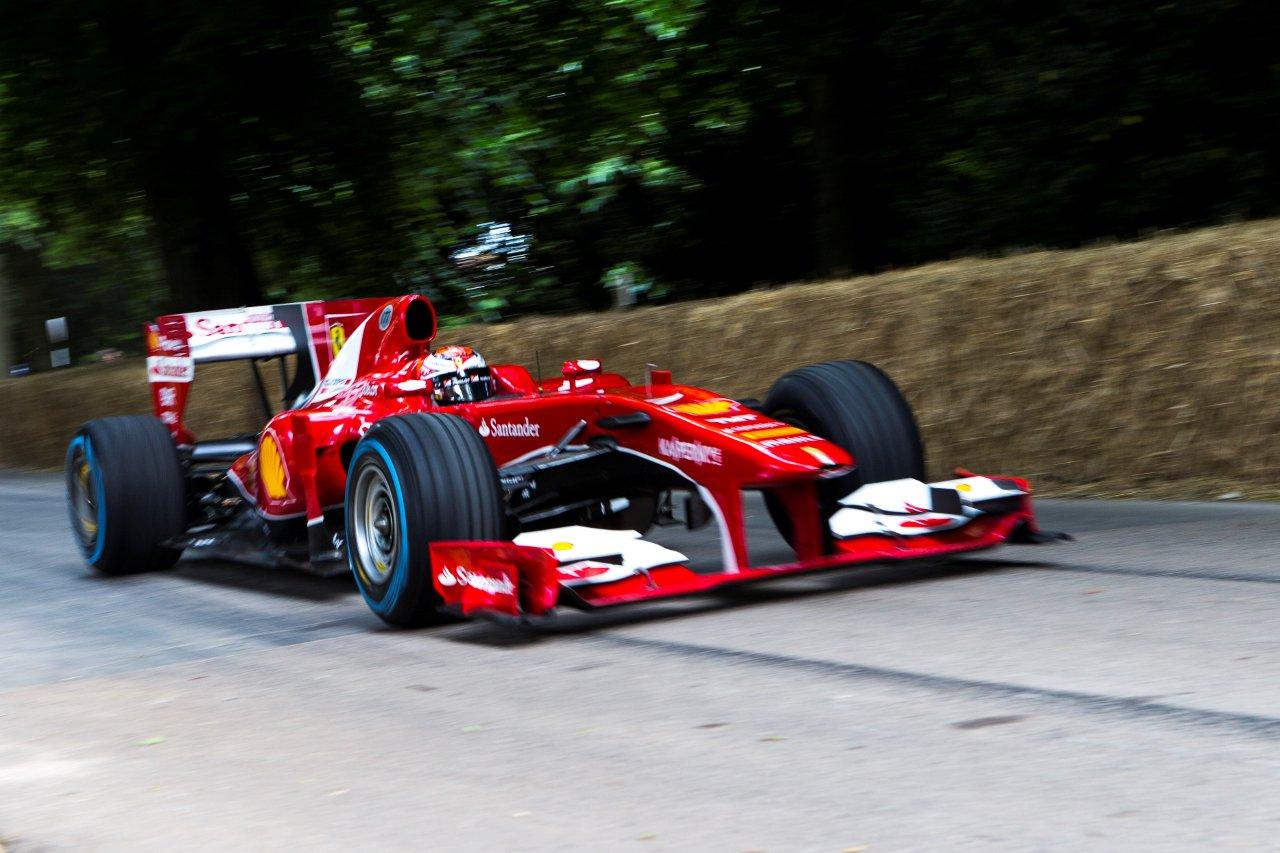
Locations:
column 458, row 374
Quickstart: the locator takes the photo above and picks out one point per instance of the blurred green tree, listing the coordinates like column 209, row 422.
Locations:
column 184, row 154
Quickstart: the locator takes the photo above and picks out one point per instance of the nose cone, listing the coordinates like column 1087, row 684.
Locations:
column 806, row 457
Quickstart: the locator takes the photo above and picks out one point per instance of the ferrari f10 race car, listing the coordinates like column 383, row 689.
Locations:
column 447, row 485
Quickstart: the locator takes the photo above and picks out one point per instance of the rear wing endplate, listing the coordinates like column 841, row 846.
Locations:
column 313, row 331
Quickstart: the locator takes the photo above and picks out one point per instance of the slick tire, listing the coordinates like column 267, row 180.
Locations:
column 856, row 406
column 413, row 480
column 126, row 494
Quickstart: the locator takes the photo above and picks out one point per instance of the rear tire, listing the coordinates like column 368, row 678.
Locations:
column 414, row 480
column 126, row 494
column 854, row 405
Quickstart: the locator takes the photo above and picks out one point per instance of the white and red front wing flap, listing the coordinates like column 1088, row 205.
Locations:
column 590, row 567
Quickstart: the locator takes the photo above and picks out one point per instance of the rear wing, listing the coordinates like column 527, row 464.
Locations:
column 313, row 331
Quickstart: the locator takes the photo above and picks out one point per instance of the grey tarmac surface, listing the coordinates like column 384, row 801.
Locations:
column 1117, row 693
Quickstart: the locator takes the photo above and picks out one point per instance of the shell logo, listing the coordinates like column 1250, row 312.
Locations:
column 819, row 455
column 562, row 546
column 771, row 432
column 271, row 468
column 706, row 407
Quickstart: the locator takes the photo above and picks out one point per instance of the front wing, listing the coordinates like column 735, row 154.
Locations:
column 592, row 567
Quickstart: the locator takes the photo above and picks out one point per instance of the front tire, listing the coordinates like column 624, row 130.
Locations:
column 857, row 406
column 414, row 480
column 126, row 494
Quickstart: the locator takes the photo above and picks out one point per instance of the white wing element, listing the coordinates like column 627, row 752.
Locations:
column 907, row 507
column 975, row 489
column 590, row 555
column 238, row 333
column 895, row 496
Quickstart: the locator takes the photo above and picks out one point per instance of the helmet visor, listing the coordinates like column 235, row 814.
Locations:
column 468, row 386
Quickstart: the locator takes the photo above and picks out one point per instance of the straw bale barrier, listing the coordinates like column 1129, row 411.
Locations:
column 1148, row 368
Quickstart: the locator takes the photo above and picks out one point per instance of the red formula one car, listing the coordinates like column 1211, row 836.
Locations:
column 446, row 484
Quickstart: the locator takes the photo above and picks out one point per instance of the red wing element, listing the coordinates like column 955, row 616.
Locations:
column 498, row 577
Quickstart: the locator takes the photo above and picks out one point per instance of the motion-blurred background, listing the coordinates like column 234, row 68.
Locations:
column 552, row 155
column 562, row 156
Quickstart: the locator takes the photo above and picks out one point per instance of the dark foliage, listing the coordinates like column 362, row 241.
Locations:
column 189, row 154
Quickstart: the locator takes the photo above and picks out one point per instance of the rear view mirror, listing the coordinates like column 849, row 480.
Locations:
column 581, row 367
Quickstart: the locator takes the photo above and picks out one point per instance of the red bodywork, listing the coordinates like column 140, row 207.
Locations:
column 367, row 357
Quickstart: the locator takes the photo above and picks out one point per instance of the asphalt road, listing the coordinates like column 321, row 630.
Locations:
column 1118, row 693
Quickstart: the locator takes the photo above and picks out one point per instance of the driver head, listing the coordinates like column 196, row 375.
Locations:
column 458, row 374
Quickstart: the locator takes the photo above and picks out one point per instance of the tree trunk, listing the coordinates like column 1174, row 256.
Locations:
column 30, row 292
column 207, row 260
column 181, row 165
column 833, row 242
column 7, row 305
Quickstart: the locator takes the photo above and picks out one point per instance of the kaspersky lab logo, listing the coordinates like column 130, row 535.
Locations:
column 507, row 429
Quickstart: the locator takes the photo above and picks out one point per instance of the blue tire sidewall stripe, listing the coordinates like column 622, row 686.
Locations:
column 399, row 571
column 100, row 541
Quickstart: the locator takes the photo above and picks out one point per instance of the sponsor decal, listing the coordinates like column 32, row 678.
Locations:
column 167, row 368
column 337, row 338
column 964, row 487
column 744, row 425
column 168, row 396
column 690, row 451
column 238, row 333
column 384, row 319
column 737, row 428
column 771, row 432
column 462, row 576
column 153, row 340
column 927, row 522
column 707, row 407
column 804, row 438
column 170, row 418
column 581, row 571
column 351, row 388
column 508, row 429
column 745, row 418
column 368, row 388
column 235, row 323
column 330, row 386
column 271, row 468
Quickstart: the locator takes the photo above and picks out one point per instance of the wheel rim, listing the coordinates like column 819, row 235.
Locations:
column 84, row 497
column 376, row 529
